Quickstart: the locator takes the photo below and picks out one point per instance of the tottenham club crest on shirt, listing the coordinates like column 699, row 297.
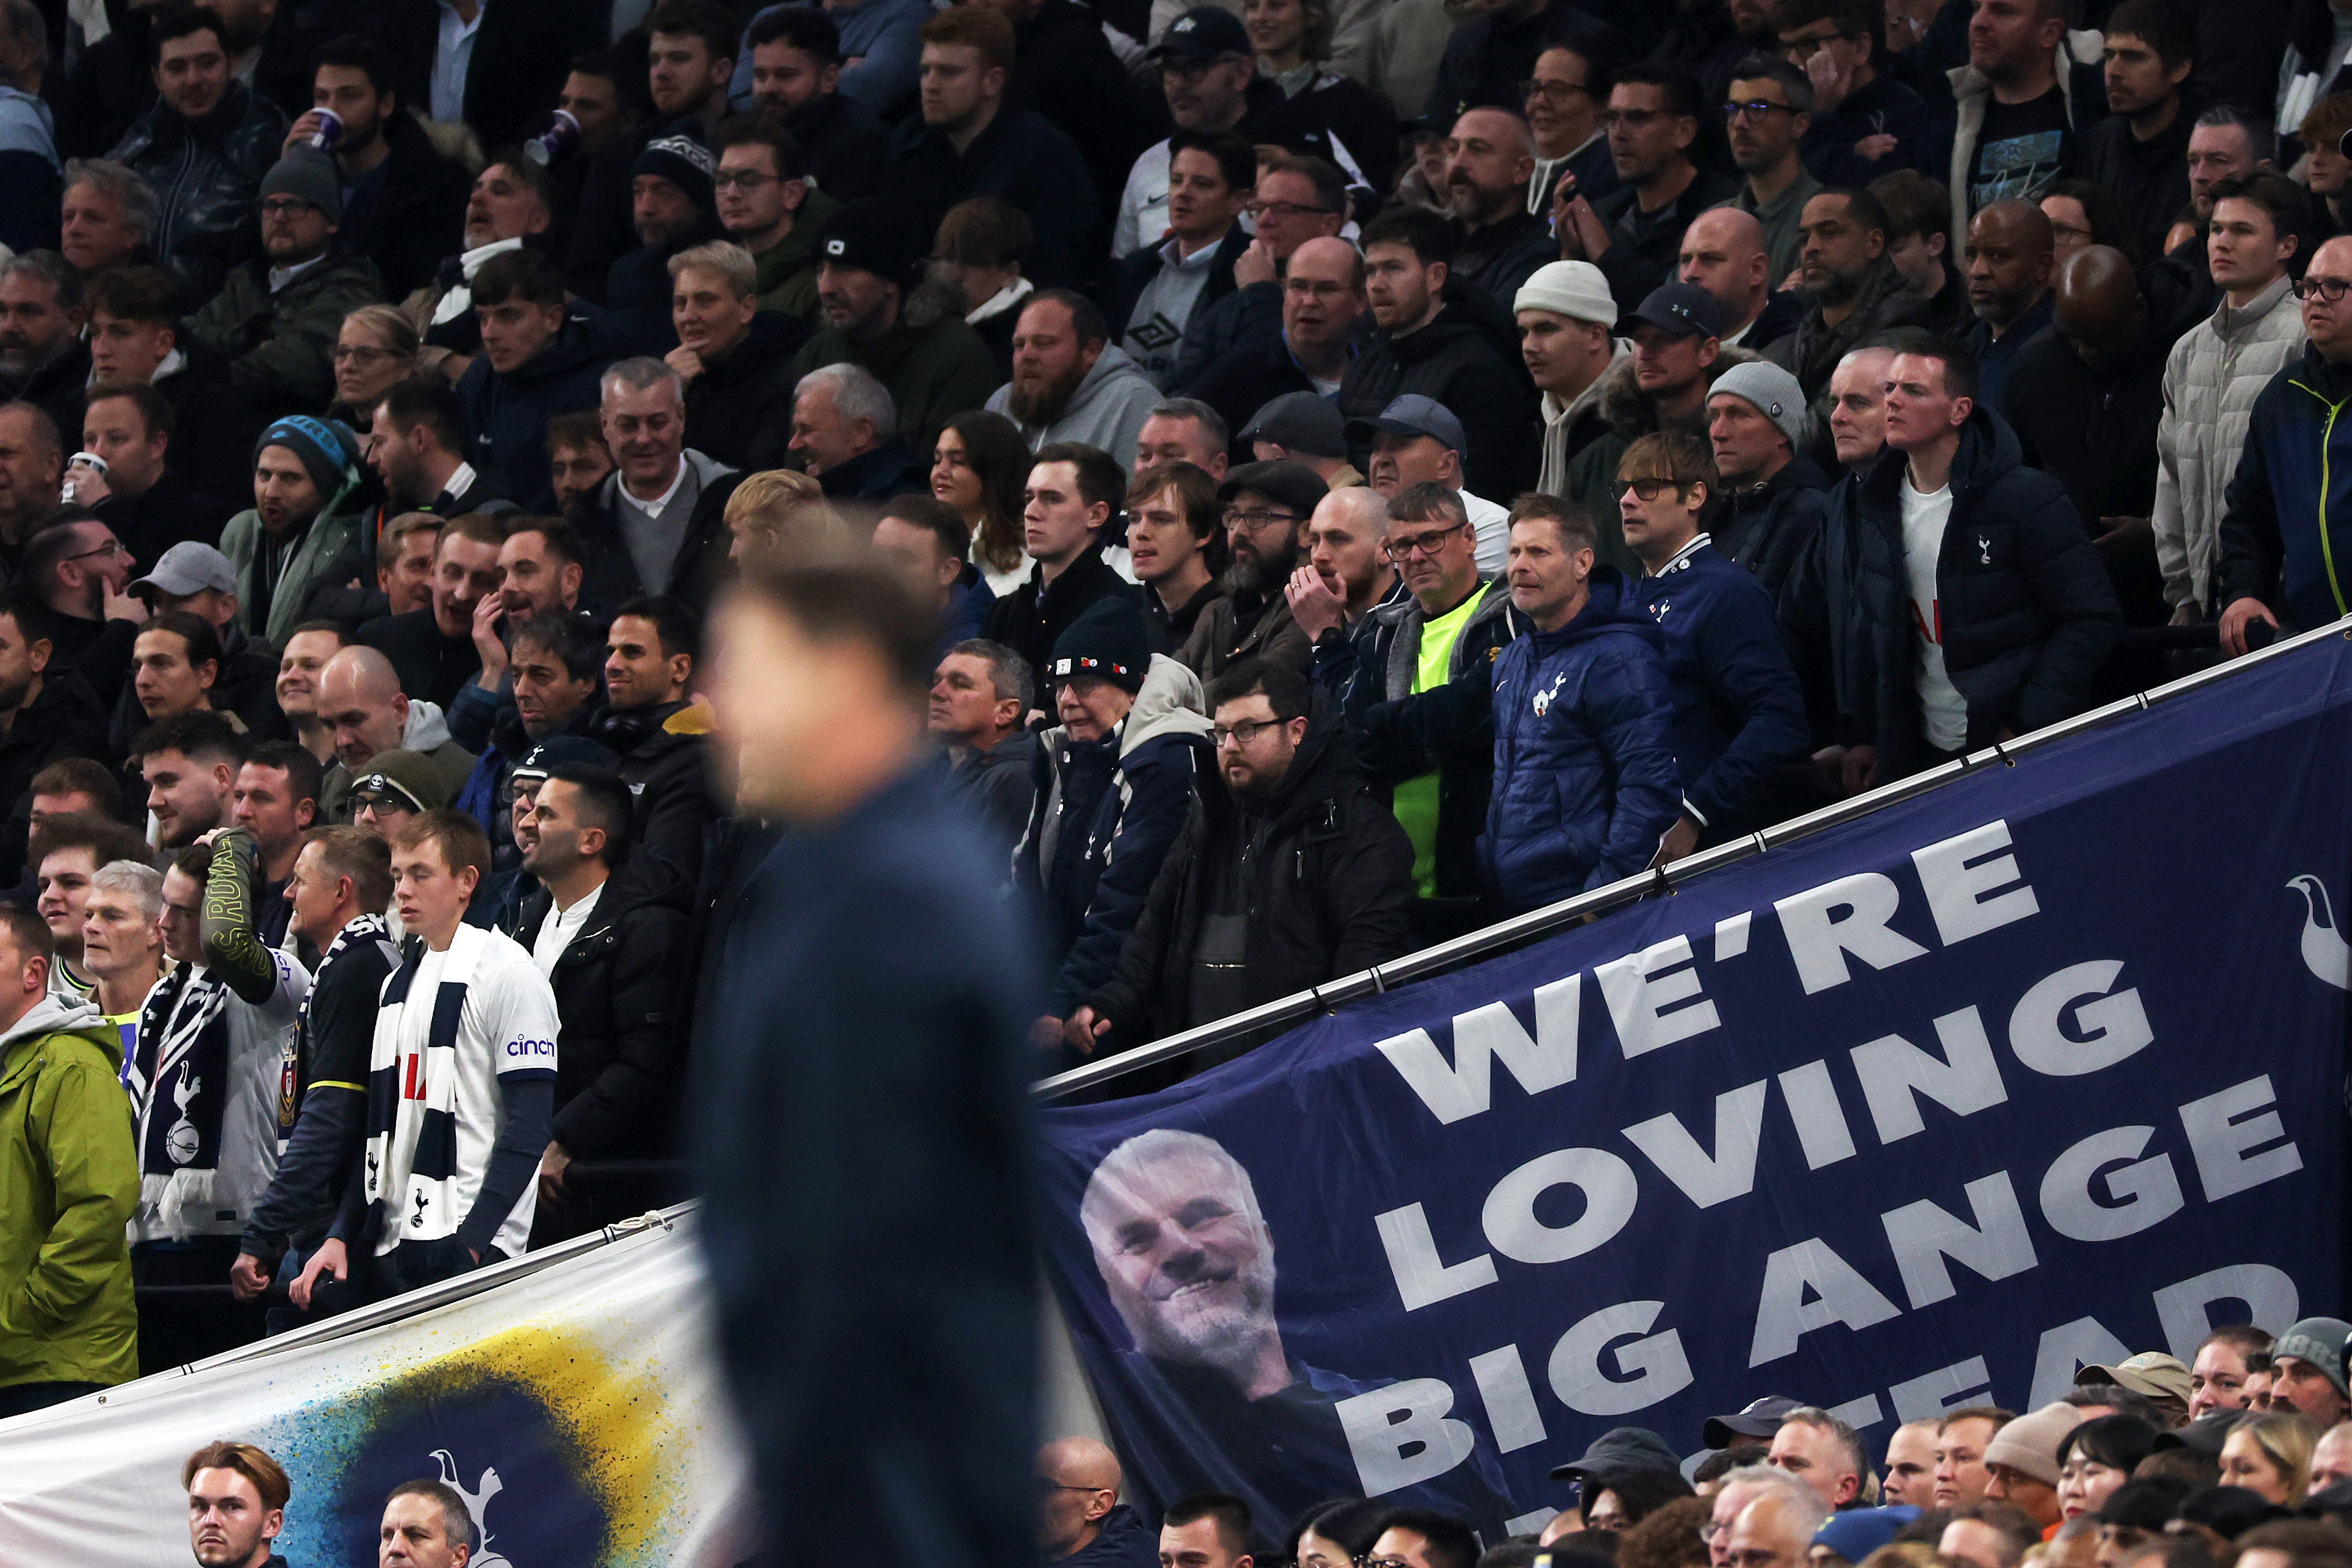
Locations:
column 1542, row 700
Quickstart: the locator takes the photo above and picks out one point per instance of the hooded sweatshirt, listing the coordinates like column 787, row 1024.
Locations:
column 426, row 731
column 66, row 1161
column 1564, row 421
column 1107, row 409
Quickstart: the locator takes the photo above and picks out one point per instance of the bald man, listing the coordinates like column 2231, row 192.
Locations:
column 1723, row 253
column 2008, row 261
column 1080, row 1520
column 1347, row 576
column 1858, row 407
column 364, row 712
column 1489, row 160
column 2086, row 399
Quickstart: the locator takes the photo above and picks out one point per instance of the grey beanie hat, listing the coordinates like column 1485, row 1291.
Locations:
column 310, row 174
column 1773, row 391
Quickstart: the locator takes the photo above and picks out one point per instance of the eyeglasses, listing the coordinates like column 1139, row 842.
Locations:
column 2330, row 289
column 1388, row 1562
column 344, row 354
column 284, row 207
column 1753, row 108
column 110, row 548
column 741, row 180
column 1649, row 490
column 1244, row 734
column 1428, row 543
column 1713, row 1528
column 2068, row 231
column 1551, row 92
column 1284, row 210
column 1258, row 521
column 1634, row 119
column 1048, row 1487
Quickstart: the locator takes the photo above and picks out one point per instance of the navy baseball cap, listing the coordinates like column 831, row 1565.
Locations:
column 1684, row 309
column 1205, row 33
column 1410, row 415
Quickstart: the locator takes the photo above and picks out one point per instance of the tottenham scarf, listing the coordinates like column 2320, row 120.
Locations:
column 179, row 1092
column 411, row 1116
column 370, row 928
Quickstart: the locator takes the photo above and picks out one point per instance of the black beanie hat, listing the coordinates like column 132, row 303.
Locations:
column 1108, row 642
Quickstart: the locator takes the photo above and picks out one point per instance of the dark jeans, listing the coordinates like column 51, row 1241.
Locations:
column 186, row 1310
column 22, row 1398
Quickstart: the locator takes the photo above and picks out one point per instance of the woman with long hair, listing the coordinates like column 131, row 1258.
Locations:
column 978, row 466
column 2269, row 1456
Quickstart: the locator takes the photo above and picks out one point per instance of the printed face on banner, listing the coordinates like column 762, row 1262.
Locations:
column 1926, row 1111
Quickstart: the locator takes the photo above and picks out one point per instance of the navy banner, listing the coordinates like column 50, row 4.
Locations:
column 2040, row 1068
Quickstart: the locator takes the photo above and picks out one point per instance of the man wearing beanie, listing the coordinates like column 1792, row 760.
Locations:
column 2022, row 1458
column 881, row 313
column 277, row 317
column 1756, row 423
column 1115, row 779
column 674, row 206
column 2308, row 1360
column 304, row 469
column 1568, row 338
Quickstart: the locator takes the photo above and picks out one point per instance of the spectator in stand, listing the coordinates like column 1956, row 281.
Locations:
column 304, row 469
column 1909, row 1473
column 789, row 74
column 659, row 521
column 1184, row 430
column 1858, row 292
column 1961, row 1440
column 237, row 1505
column 1775, row 492
column 276, row 318
column 1172, row 516
column 175, row 664
column 400, row 577
column 432, row 649
column 1293, row 44
column 2082, row 213
column 1737, row 710
column 1415, row 441
column 405, row 201
column 1677, row 352
column 577, row 458
column 2021, row 1461
column 122, row 949
column 1424, row 1537
column 881, row 314
column 108, row 219
column 1082, row 1523
column 980, row 703
column 673, row 206
column 1115, row 780
column 1823, row 1452
column 1346, row 575
column 2310, row 1378
column 203, row 147
column 970, row 142
column 1163, row 288
column 1777, row 1529
column 2325, row 166
column 273, row 804
column 43, row 358
column 199, row 580
column 978, row 466
column 2097, row 1458
column 2218, row 1373
column 364, row 711
column 2029, row 89
column 924, row 543
column 135, row 336
column 768, row 207
column 417, row 444
column 1867, row 123
column 1322, row 304
column 61, row 1126
column 1565, row 99
column 377, row 350
column 32, row 459
column 511, row 204
column 2016, row 647
column 1634, row 235
column 2277, row 538
column 2214, row 375
column 689, row 56
column 1989, row 1535
column 1069, row 496
column 76, row 568
column 845, row 434
column 1293, row 793
column 1723, row 253
column 660, row 732
column 1297, row 200
column 2269, row 1456
column 1266, row 506
column 540, row 359
column 1071, row 385
column 495, row 1081
column 1768, row 113
column 1490, row 158
column 2331, row 1459
column 1434, row 335
column 555, row 666
column 611, row 951
column 1301, row 428
column 982, row 244
column 128, row 425
column 1920, row 243
column 2008, row 263
column 2140, row 152
column 47, row 714
column 2224, row 143
column 188, row 762
column 1569, row 342
column 731, row 355
column 66, row 855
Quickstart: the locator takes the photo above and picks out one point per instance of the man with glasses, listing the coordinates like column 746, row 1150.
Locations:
column 1865, row 121
column 1562, row 100
column 768, row 207
column 1266, row 506
column 276, row 318
column 1297, row 200
column 1770, row 111
column 1220, row 935
column 1081, row 1523
column 1633, row 235
column 2287, row 546
column 1322, row 300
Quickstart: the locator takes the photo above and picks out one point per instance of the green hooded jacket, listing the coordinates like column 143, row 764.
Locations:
column 68, row 1182
column 786, row 279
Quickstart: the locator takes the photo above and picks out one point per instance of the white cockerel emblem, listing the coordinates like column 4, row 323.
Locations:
column 477, row 1502
column 181, row 1140
column 2325, row 953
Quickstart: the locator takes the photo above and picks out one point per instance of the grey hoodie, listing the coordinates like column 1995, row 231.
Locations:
column 426, row 731
column 1107, row 410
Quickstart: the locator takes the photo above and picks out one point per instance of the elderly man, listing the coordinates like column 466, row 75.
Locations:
column 107, row 218
column 1070, row 382
column 732, row 356
column 845, row 434
column 276, row 318
column 364, row 711
column 1775, row 1529
column 657, row 523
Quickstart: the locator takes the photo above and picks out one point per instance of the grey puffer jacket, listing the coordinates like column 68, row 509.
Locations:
column 2211, row 381
column 205, row 174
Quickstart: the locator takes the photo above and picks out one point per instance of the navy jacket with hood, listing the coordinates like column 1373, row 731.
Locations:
column 2291, row 498
column 505, row 415
column 1585, row 782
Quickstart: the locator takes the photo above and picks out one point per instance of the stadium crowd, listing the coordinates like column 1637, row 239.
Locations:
column 1370, row 469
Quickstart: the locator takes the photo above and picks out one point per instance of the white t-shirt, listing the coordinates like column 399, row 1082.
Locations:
column 1490, row 524
column 556, row 932
column 1944, row 710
